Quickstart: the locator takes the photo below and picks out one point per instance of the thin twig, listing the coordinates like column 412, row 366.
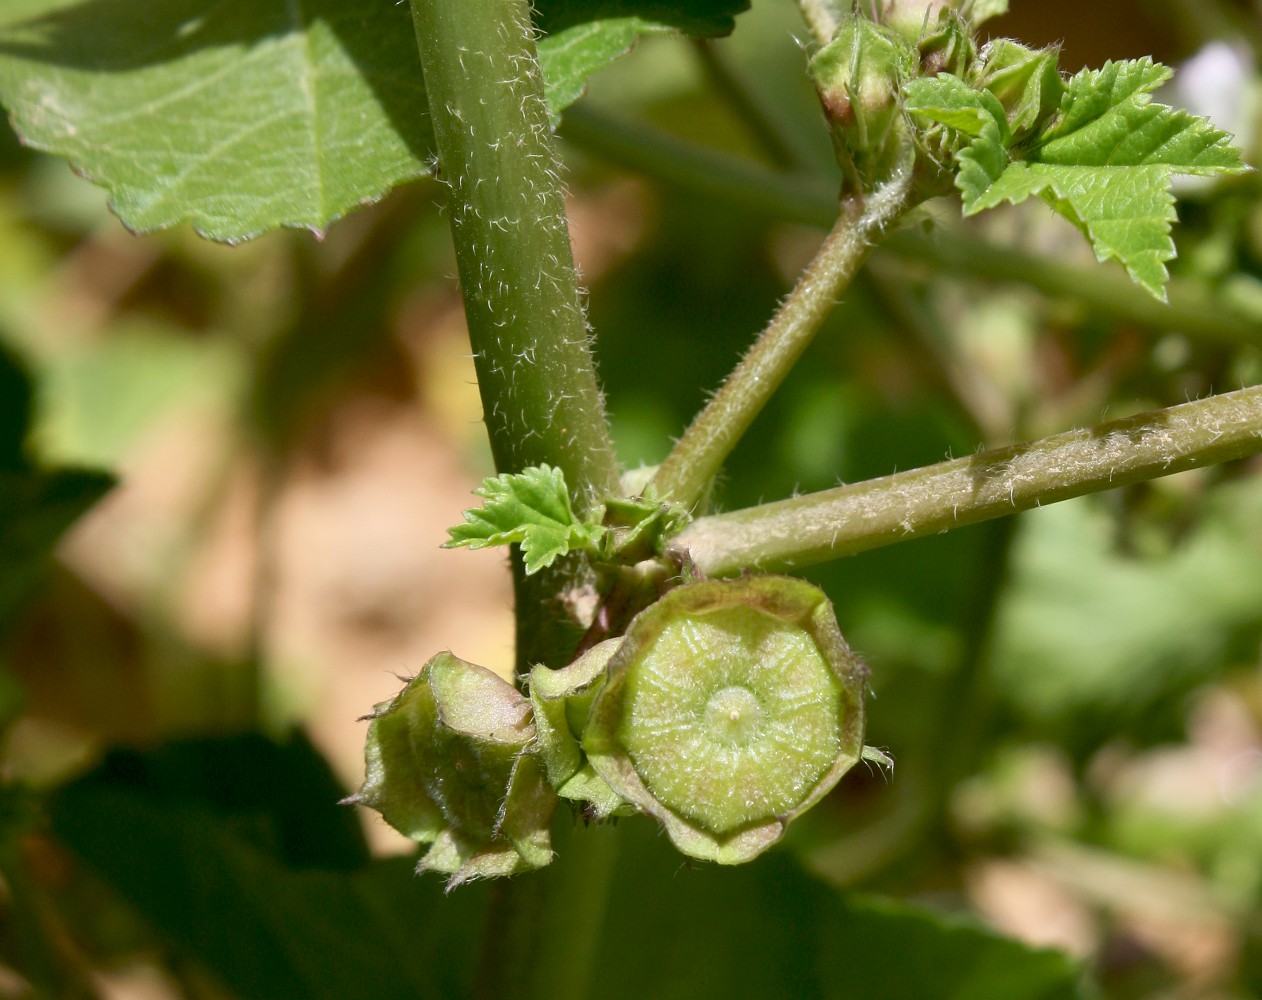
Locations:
column 1194, row 310
column 695, row 459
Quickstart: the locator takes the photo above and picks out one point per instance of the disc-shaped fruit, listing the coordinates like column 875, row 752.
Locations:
column 730, row 707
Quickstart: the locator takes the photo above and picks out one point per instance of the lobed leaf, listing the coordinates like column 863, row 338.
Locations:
column 531, row 508
column 948, row 100
column 572, row 55
column 266, row 927
column 981, row 164
column 237, row 116
column 172, row 836
column 1105, row 163
column 769, row 930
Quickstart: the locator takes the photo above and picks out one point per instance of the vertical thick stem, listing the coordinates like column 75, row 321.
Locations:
column 535, row 372
column 521, row 294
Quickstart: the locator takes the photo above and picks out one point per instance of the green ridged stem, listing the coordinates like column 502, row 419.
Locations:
column 906, row 505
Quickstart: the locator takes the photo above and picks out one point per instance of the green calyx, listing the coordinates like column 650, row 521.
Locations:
column 562, row 700
column 449, row 763
column 1025, row 81
column 917, row 20
column 729, row 708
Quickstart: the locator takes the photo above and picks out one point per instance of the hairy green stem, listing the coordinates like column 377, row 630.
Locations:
column 1193, row 309
column 905, row 505
column 695, row 459
column 507, row 209
column 522, row 301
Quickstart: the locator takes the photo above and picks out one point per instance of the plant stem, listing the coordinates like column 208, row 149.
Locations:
column 936, row 498
column 522, row 301
column 1193, row 309
column 695, row 459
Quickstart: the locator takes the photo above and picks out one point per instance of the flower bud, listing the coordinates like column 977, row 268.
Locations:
column 1026, row 82
column 858, row 77
column 730, row 707
column 447, row 764
column 916, row 19
column 913, row 19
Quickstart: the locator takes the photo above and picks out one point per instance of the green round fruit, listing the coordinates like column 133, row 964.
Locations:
column 730, row 707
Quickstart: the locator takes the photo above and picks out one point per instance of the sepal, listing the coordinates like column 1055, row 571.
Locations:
column 1025, row 81
column 859, row 77
column 562, row 700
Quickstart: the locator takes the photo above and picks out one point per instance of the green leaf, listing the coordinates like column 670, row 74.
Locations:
column 1090, row 642
column 241, row 117
column 582, row 37
column 570, row 56
column 237, row 116
column 164, row 832
column 1105, row 163
column 771, row 931
column 981, row 163
column 531, row 508
column 698, row 18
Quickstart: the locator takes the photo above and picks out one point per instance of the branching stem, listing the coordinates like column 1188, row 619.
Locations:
column 905, row 505
column 695, row 459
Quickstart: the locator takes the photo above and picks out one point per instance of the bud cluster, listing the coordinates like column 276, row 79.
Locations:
column 862, row 75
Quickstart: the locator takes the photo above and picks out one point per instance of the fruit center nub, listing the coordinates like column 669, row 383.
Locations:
column 733, row 715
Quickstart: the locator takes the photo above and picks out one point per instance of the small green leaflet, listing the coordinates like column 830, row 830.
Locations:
column 531, row 508
column 1104, row 160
